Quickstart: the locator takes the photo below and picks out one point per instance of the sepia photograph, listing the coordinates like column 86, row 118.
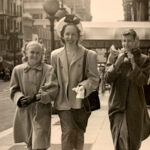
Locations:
column 74, row 74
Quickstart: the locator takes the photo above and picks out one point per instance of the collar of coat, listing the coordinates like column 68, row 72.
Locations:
column 62, row 56
column 28, row 67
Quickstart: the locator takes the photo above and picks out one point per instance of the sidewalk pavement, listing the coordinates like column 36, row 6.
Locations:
column 97, row 137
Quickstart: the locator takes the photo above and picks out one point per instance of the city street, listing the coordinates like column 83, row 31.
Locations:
column 7, row 108
column 117, row 33
column 97, row 137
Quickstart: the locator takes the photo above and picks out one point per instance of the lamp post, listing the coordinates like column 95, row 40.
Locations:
column 51, row 7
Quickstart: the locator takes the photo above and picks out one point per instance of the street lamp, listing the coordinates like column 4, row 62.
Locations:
column 51, row 7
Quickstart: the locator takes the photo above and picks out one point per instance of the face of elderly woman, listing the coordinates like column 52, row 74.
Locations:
column 34, row 54
column 71, row 35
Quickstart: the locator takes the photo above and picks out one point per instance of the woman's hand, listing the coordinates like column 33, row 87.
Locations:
column 80, row 92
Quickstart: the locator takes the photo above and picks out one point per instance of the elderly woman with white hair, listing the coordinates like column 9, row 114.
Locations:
column 33, row 112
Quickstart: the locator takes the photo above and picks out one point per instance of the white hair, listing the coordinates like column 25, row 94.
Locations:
column 27, row 46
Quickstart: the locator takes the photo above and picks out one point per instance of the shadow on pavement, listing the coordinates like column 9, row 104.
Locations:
column 53, row 147
column 58, row 146
column 18, row 147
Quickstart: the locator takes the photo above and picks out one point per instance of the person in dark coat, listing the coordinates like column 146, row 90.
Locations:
column 147, row 87
column 129, row 119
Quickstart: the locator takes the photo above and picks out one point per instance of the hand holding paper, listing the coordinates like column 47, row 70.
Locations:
column 80, row 92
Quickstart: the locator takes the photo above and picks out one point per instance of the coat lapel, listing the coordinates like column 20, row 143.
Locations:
column 79, row 54
column 63, row 60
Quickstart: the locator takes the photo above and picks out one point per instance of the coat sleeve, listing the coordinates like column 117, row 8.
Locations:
column 92, row 81
column 51, row 84
column 140, row 75
column 15, row 92
column 111, row 74
column 53, row 61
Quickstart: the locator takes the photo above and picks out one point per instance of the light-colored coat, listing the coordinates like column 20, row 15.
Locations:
column 70, row 77
column 33, row 122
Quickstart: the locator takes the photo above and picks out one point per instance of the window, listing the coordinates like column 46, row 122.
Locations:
column 21, row 27
column 1, row 27
column 1, row 5
column 20, row 10
column 15, row 9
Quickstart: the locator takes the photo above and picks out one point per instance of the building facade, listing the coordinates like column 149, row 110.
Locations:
column 40, row 23
column 81, row 8
column 10, row 29
column 136, row 10
column 27, row 27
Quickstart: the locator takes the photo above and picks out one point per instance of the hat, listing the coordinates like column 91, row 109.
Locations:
column 69, row 19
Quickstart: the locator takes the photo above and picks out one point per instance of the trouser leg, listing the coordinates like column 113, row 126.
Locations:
column 73, row 125
column 81, row 121
column 123, row 140
column 79, row 141
column 68, row 129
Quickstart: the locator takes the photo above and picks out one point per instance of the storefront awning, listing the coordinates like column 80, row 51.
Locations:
column 114, row 30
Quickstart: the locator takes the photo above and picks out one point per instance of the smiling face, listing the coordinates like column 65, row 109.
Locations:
column 70, row 34
column 34, row 54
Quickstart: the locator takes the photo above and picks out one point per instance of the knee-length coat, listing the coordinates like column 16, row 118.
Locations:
column 127, row 102
column 32, row 123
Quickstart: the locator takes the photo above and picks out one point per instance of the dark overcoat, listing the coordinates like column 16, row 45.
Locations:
column 127, row 107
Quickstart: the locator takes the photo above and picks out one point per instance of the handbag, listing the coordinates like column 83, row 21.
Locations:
column 92, row 101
